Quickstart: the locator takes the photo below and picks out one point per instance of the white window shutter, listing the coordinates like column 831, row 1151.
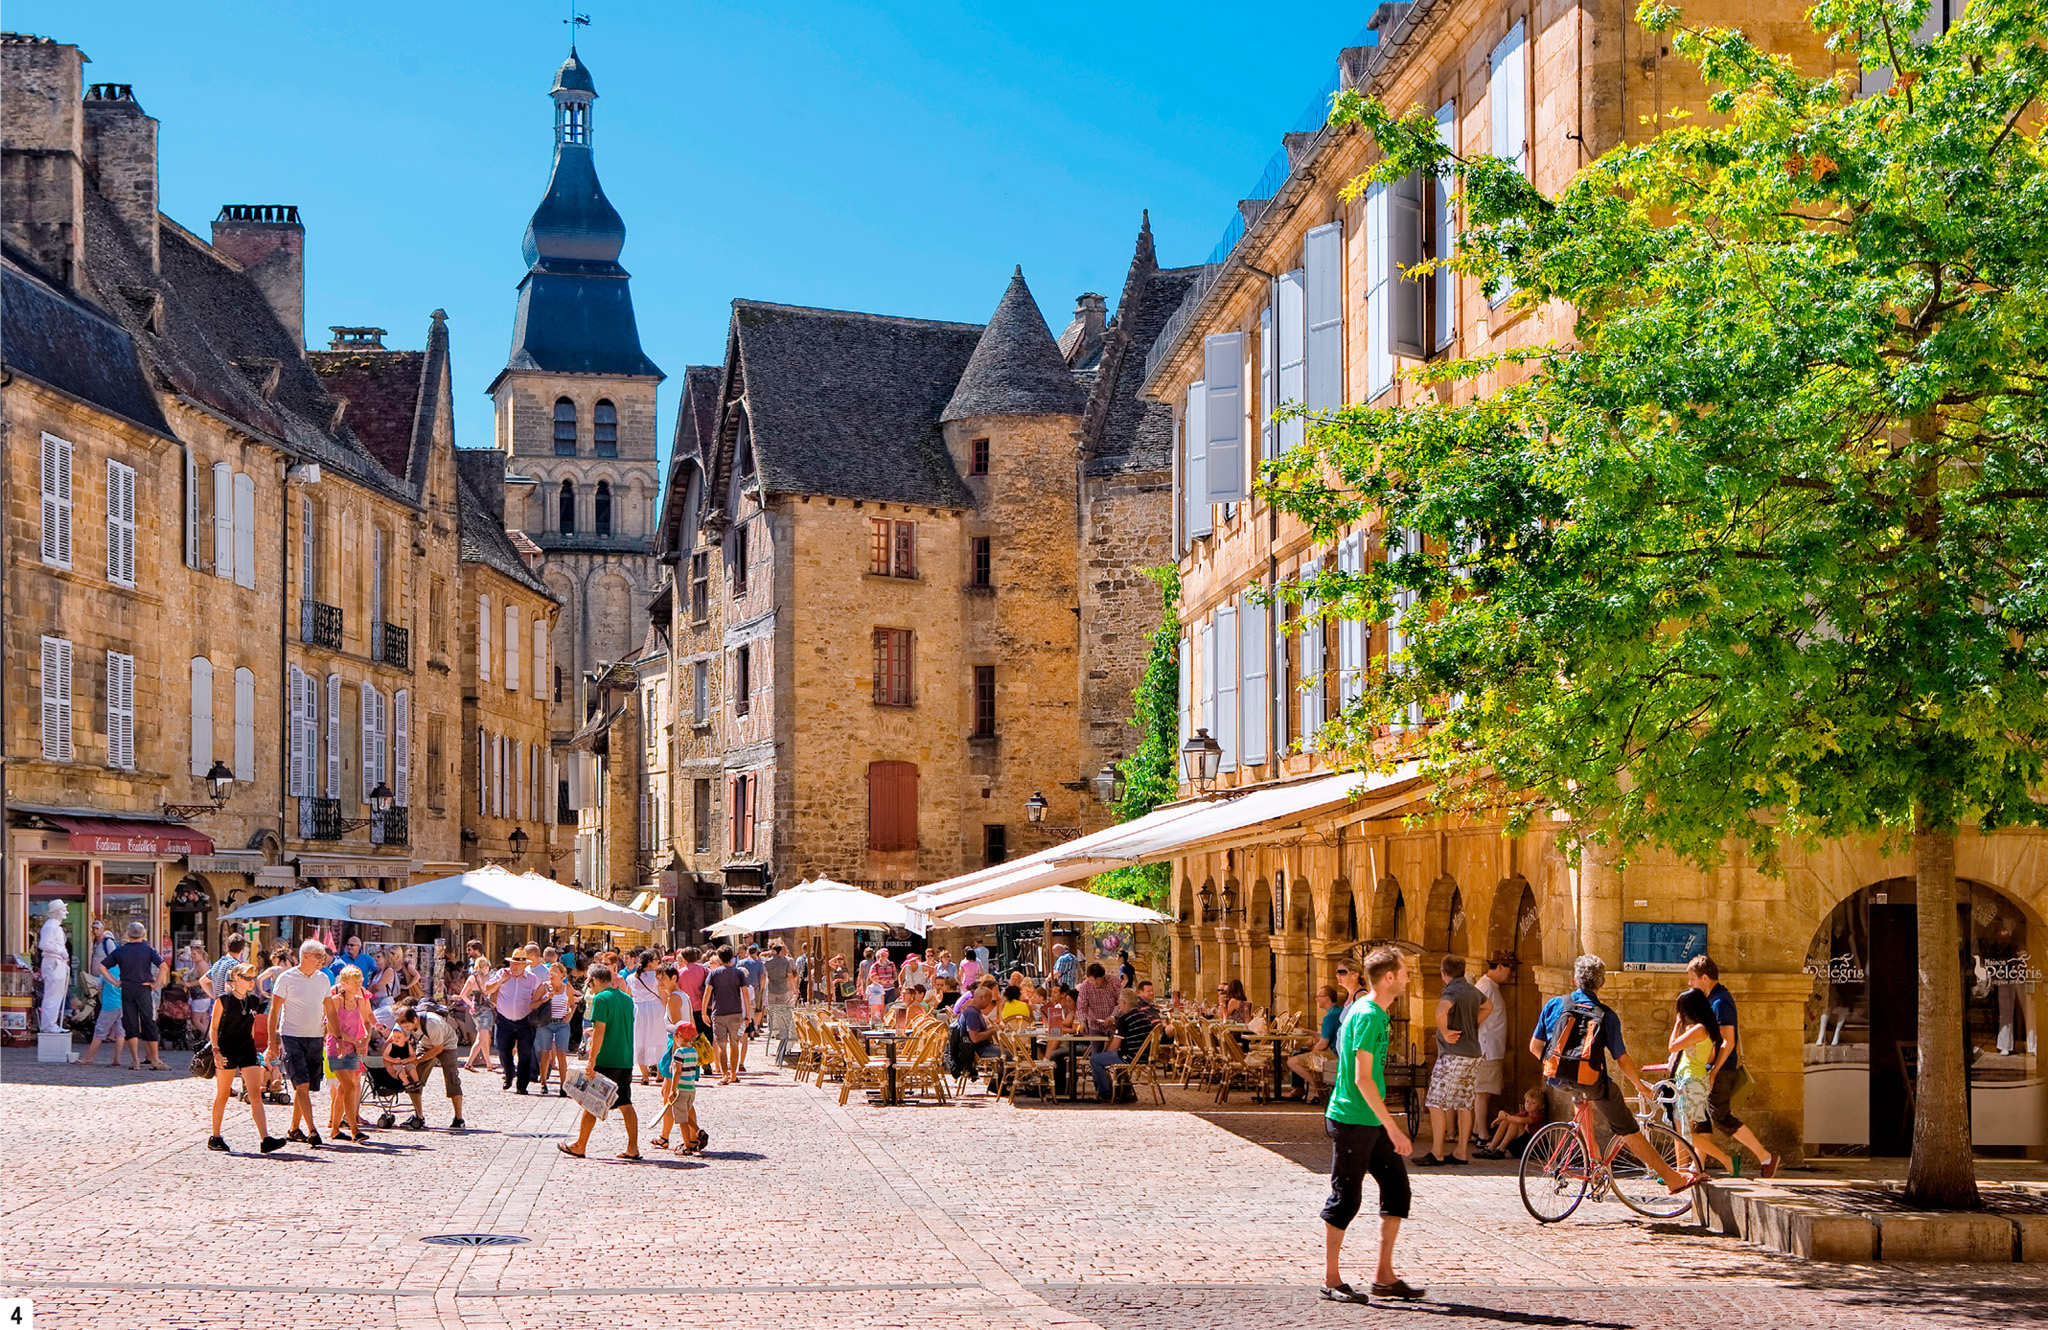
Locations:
column 512, row 636
column 1323, row 294
column 120, row 710
column 295, row 690
column 1351, row 631
column 334, row 736
column 245, row 530
column 223, row 520
column 1404, row 251
column 309, row 550
column 483, row 764
column 1187, row 681
column 483, row 637
column 120, row 523
column 1256, row 639
column 245, row 724
column 1269, row 374
column 202, row 715
column 1290, row 337
column 1379, row 336
column 401, row 745
column 191, row 510
column 540, row 659
column 366, row 725
column 1444, row 219
column 1223, row 412
column 1195, row 476
column 56, row 699
column 376, row 592
column 1507, row 92
column 56, row 492
column 1312, row 681
column 1208, row 669
column 1226, row 730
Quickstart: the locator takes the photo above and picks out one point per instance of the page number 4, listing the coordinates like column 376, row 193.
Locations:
column 17, row 1314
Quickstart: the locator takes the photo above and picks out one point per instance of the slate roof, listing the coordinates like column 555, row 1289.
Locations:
column 217, row 342
column 848, row 404
column 1017, row 368
column 574, row 76
column 1122, row 434
column 696, row 438
column 383, row 391
column 63, row 343
column 482, row 534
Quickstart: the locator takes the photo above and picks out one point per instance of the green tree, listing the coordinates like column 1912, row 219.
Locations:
column 1761, row 555
column 1150, row 773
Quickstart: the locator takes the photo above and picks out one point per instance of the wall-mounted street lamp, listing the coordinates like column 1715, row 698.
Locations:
column 517, row 840
column 219, row 781
column 1201, row 757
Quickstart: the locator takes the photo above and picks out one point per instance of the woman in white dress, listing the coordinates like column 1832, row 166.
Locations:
column 650, row 1032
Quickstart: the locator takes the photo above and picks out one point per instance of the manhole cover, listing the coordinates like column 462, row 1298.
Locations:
column 475, row 1240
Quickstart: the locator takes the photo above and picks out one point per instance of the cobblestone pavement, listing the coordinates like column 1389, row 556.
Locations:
column 806, row 1213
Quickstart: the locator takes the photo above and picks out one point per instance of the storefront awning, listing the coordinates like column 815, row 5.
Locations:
column 121, row 836
column 311, row 866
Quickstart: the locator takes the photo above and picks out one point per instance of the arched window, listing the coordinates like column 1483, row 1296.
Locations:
column 606, row 420
column 565, row 428
column 568, row 508
column 603, row 509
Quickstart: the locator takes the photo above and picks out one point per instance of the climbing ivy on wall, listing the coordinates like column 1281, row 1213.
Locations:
column 1149, row 772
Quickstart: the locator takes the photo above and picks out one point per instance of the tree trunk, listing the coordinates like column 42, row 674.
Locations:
column 1942, row 1175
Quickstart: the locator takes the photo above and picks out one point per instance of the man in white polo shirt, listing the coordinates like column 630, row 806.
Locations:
column 298, row 1009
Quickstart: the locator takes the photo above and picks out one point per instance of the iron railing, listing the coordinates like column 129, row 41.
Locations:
column 391, row 827
column 320, row 625
column 320, row 819
column 397, row 650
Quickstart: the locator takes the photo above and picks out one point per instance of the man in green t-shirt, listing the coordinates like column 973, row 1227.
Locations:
column 611, row 1056
column 1364, row 1138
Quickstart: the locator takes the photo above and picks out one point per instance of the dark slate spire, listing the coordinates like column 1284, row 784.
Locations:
column 1016, row 369
column 575, row 309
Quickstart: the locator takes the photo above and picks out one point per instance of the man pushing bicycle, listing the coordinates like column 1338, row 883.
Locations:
column 1574, row 1037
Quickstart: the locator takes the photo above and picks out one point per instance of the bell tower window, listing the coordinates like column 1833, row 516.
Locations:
column 605, row 419
column 565, row 427
column 603, row 508
column 568, row 508
column 572, row 122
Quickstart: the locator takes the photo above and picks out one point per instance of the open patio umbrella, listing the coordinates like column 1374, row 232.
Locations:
column 819, row 903
column 1067, row 904
column 309, row 903
column 493, row 895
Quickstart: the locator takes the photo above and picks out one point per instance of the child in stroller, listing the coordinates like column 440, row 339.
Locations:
column 385, row 1077
column 174, row 1017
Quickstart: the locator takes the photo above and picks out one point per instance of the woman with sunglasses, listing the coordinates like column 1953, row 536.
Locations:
column 233, row 1036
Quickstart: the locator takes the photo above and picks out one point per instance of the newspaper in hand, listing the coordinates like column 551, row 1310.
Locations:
column 593, row 1093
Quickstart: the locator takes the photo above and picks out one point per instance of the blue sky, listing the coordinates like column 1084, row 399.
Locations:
column 895, row 158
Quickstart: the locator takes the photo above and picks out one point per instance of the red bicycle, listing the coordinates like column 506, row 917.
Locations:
column 1563, row 1163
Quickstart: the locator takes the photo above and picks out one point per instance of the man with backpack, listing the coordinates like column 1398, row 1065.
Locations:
column 1575, row 1035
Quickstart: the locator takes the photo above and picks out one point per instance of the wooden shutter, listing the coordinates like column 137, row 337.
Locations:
column 1227, row 679
column 483, row 792
column 223, row 520
column 1313, row 654
column 245, row 530
column 1379, row 344
column 120, row 523
column 1207, row 658
column 1223, row 386
column 1290, row 338
column 57, row 699
column 483, row 637
column 1351, row 631
column 1187, row 682
column 1256, row 638
column 295, row 687
column 334, row 736
column 892, row 805
column 1195, row 475
column 366, row 728
column 1507, row 92
column 401, row 745
column 191, row 509
column 1322, row 257
column 202, row 715
column 56, row 490
column 1269, row 367
column 309, row 550
column 512, row 636
column 120, row 710
column 1444, row 220
column 540, row 659
column 245, row 724
column 1405, row 230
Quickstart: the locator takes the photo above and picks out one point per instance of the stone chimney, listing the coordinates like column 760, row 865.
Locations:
column 1081, row 343
column 120, row 155
column 270, row 245
column 42, row 152
column 356, row 339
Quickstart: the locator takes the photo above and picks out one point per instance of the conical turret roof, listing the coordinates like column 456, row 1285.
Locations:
column 1016, row 369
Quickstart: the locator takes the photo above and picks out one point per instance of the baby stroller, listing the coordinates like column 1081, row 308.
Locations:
column 174, row 1017
column 382, row 1087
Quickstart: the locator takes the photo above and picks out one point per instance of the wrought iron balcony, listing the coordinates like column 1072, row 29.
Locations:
column 320, row 819
column 320, row 625
column 397, row 650
column 391, row 827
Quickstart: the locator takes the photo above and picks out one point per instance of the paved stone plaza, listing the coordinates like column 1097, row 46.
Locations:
column 804, row 1213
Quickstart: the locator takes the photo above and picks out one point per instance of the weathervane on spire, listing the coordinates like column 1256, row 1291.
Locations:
column 575, row 21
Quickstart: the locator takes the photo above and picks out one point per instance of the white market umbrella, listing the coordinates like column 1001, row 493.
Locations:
column 493, row 895
column 1067, row 904
column 309, row 903
column 819, row 903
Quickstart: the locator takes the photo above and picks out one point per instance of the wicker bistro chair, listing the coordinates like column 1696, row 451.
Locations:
column 1142, row 1069
column 1022, row 1069
column 1237, row 1068
column 810, row 1056
column 1206, row 1061
column 921, row 1069
column 862, row 1069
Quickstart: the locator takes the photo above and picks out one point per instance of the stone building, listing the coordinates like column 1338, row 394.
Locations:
column 574, row 409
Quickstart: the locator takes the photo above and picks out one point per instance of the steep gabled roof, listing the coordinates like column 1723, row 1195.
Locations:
column 1121, row 433
column 847, row 404
column 696, row 438
column 383, row 390
column 50, row 336
column 483, row 538
column 1017, row 368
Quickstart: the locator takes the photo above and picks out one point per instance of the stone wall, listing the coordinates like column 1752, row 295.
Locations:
column 1126, row 528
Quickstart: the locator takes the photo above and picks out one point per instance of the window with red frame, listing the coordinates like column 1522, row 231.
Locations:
column 892, row 548
column 892, row 667
column 984, row 701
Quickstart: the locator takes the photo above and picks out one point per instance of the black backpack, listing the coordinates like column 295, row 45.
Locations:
column 959, row 1056
column 1578, row 1043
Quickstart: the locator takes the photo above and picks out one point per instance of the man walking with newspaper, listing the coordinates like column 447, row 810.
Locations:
column 611, row 1056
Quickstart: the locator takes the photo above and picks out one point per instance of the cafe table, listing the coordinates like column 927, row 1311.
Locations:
column 1279, row 1043
column 890, row 1040
column 1046, row 1035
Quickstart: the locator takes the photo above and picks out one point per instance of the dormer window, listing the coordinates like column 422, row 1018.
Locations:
column 565, row 427
column 605, row 420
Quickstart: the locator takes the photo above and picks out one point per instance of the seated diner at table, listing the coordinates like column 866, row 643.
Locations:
column 1014, row 1007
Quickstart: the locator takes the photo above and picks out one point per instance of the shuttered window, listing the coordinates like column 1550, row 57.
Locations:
column 120, row 524
column 892, row 805
column 1314, row 635
column 1322, row 258
column 202, row 715
column 56, row 491
column 369, row 723
column 742, row 681
column 1507, row 104
column 334, row 736
column 245, row 724
column 1269, row 382
column 223, row 520
column 1444, row 237
column 1187, row 676
column 1405, row 542
column 483, row 638
column 565, row 429
column 1290, row 341
column 1227, row 679
column 892, row 667
column 295, row 694
column 540, row 659
column 245, row 530
column 191, row 510
column 700, row 692
column 512, row 636
column 309, row 548
column 56, row 699
column 1352, row 633
column 1206, row 665
column 120, row 711
column 1256, row 641
column 1194, row 480
column 401, row 746
column 483, row 766
column 740, row 807
column 1223, row 412
column 1379, row 345
column 604, row 421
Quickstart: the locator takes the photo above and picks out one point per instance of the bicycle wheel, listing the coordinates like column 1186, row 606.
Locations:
column 1638, row 1185
column 1554, row 1173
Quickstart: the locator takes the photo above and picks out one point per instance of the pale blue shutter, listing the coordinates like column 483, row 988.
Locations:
column 202, row 715
column 1208, row 669
column 245, row 724
column 401, row 746
column 1312, row 681
column 1187, row 683
column 1256, row 637
column 1226, row 730
column 1269, row 374
column 191, row 510
column 245, row 530
column 1195, row 476
column 1323, row 270
column 1379, row 338
column 223, row 520
column 1289, row 336
column 1223, row 386
column 334, row 736
column 1507, row 92
column 295, row 680
column 1404, row 251
column 1444, row 219
column 1352, row 632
